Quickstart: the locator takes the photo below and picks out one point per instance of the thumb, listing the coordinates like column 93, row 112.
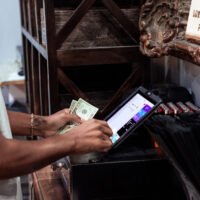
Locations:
column 74, row 118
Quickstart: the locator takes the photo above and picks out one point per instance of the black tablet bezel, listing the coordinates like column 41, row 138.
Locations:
column 146, row 94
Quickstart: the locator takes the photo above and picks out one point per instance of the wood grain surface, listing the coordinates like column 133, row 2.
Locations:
column 48, row 185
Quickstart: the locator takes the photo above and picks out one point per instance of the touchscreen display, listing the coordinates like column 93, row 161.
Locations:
column 128, row 115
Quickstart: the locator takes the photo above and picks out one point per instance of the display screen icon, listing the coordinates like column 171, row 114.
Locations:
column 125, row 118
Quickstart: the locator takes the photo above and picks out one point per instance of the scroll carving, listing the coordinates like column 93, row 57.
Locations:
column 162, row 26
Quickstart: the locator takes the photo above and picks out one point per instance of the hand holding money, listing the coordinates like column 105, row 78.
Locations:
column 82, row 109
column 90, row 136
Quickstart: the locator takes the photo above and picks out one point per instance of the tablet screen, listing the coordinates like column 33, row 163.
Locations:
column 127, row 116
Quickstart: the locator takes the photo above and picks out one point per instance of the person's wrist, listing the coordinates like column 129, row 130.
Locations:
column 71, row 137
column 32, row 126
column 40, row 126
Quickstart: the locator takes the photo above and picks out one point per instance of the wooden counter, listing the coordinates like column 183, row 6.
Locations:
column 117, row 180
column 48, row 185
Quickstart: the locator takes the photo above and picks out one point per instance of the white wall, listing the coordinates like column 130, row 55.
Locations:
column 171, row 70
column 10, row 33
column 190, row 78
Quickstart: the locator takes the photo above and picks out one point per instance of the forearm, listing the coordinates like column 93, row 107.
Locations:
column 22, row 157
column 21, row 123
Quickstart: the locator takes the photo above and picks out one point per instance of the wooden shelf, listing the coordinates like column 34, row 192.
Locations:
column 98, row 56
column 78, row 33
column 98, row 28
column 19, row 82
column 98, row 98
column 35, row 43
column 89, row 56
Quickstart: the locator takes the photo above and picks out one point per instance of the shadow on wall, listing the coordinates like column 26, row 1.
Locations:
column 172, row 70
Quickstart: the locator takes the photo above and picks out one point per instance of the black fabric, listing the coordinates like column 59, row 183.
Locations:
column 179, row 137
column 173, row 94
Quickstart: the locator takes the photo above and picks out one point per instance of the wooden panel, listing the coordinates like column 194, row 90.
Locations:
column 95, row 37
column 29, row 9
column 35, row 80
column 38, row 6
column 49, row 185
column 43, row 76
column 52, row 84
column 33, row 17
column 40, row 83
column 22, row 13
column 27, row 72
column 73, row 21
column 25, row 65
column 129, row 27
column 112, row 55
column 25, row 14
column 30, row 73
column 37, row 194
column 98, row 28
column 121, row 3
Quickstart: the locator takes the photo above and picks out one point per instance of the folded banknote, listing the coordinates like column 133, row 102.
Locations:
column 81, row 108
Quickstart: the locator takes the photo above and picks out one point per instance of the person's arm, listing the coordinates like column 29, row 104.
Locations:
column 21, row 157
column 43, row 125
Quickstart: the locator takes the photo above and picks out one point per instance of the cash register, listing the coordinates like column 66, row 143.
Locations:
column 132, row 169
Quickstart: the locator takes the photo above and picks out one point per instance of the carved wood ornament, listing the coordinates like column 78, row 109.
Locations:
column 162, row 25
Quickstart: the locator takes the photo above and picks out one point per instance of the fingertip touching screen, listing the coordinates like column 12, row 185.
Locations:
column 129, row 115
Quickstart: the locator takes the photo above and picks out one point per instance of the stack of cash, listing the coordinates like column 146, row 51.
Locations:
column 82, row 109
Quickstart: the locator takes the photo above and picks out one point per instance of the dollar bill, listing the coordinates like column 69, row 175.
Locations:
column 66, row 129
column 72, row 106
column 82, row 109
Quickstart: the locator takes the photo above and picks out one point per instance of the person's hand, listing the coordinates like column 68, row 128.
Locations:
column 49, row 125
column 91, row 136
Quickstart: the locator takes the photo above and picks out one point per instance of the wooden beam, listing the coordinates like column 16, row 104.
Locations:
column 44, row 93
column 69, row 26
column 24, row 40
column 129, row 27
column 98, row 56
column 27, row 72
column 38, row 6
column 40, row 83
column 70, row 85
column 33, row 17
column 133, row 78
column 52, row 82
column 29, row 17
column 35, row 80
column 34, row 42
column 24, row 14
